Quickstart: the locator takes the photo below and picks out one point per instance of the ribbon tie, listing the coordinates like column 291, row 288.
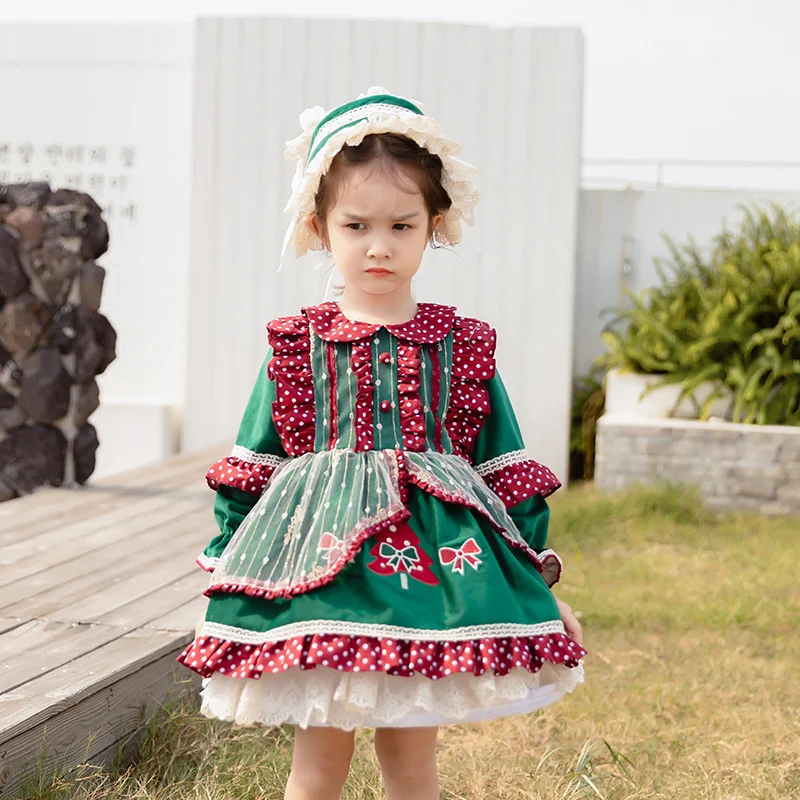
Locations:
column 399, row 559
column 467, row 552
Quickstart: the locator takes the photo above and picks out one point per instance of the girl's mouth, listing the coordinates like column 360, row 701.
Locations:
column 379, row 272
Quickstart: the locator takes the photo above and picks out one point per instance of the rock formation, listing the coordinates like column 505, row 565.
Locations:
column 53, row 338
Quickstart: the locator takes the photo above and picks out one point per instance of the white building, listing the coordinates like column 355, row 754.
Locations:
column 194, row 192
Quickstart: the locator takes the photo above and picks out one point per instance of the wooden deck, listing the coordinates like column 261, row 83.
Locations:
column 99, row 593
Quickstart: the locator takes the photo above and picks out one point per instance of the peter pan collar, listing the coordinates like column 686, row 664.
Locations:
column 431, row 323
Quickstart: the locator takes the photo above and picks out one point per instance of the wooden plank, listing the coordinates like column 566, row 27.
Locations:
column 155, row 473
column 46, row 503
column 121, row 753
column 37, row 599
column 125, row 591
column 88, row 505
column 88, row 730
column 85, row 596
column 133, row 517
column 166, row 600
column 82, row 684
column 151, row 471
column 8, row 623
column 184, row 618
column 40, row 646
column 105, row 546
column 38, row 700
column 92, row 503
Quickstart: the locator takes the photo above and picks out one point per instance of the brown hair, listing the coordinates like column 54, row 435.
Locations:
column 395, row 152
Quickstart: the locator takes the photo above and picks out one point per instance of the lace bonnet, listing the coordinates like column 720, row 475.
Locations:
column 326, row 132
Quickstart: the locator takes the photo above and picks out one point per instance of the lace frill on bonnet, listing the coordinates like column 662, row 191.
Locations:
column 457, row 175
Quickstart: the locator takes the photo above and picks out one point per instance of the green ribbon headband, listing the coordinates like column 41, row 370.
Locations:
column 350, row 114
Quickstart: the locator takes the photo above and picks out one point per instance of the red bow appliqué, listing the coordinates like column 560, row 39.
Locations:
column 333, row 546
column 467, row 552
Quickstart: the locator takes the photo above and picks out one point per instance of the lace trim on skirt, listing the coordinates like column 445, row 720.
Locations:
column 348, row 700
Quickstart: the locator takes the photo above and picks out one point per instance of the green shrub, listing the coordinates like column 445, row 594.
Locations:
column 731, row 318
column 588, row 403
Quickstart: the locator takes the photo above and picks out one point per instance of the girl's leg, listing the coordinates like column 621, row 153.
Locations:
column 408, row 762
column 320, row 763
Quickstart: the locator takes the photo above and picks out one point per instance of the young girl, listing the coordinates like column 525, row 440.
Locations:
column 381, row 559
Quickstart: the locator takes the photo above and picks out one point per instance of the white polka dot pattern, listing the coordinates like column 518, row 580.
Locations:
column 453, row 479
column 248, row 476
column 293, row 411
column 474, row 344
column 515, row 477
column 402, row 657
column 361, row 364
column 431, row 323
column 412, row 420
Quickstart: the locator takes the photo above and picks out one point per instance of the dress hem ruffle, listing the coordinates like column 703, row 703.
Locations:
column 432, row 658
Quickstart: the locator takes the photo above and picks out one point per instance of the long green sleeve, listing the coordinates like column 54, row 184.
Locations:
column 521, row 483
column 240, row 478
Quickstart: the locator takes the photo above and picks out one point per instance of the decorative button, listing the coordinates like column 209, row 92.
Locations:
column 385, row 358
column 385, row 405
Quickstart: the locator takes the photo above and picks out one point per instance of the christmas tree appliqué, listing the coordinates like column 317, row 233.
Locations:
column 398, row 551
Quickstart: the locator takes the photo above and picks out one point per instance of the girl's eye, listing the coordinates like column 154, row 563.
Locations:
column 354, row 225
column 401, row 226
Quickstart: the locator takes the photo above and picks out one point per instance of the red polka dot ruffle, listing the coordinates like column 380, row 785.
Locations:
column 361, row 364
column 431, row 323
column 517, row 482
column 412, row 421
column 400, row 657
column 240, row 474
column 473, row 363
column 293, row 410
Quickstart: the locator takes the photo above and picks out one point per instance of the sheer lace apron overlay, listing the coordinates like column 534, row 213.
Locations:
column 330, row 502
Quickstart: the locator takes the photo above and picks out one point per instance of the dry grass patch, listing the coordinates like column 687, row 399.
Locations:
column 692, row 682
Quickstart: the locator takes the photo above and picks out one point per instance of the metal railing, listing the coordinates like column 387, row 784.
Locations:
column 686, row 173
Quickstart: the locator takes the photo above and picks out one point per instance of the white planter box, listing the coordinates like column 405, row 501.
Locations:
column 624, row 396
column 735, row 465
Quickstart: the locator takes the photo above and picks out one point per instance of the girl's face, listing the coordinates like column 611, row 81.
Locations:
column 377, row 230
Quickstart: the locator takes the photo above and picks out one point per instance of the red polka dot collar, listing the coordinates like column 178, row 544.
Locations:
column 431, row 323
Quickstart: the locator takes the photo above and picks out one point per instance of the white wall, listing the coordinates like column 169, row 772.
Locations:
column 107, row 109
column 512, row 97
column 620, row 235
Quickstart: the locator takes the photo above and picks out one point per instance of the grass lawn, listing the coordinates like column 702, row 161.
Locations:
column 692, row 679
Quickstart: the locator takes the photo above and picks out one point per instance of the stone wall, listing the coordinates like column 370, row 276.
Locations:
column 53, row 340
column 736, row 466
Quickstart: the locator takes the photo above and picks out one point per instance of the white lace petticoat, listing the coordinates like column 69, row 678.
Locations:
column 347, row 700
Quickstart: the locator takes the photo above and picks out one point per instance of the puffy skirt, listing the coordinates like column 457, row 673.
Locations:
column 437, row 620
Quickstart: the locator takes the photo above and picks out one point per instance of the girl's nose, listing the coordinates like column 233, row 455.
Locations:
column 378, row 249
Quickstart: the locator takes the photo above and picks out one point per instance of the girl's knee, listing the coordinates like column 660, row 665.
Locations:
column 321, row 761
column 406, row 753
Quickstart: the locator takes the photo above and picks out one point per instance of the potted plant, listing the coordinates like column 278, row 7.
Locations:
column 720, row 337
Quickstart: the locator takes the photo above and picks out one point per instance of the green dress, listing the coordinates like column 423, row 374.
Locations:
column 382, row 556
